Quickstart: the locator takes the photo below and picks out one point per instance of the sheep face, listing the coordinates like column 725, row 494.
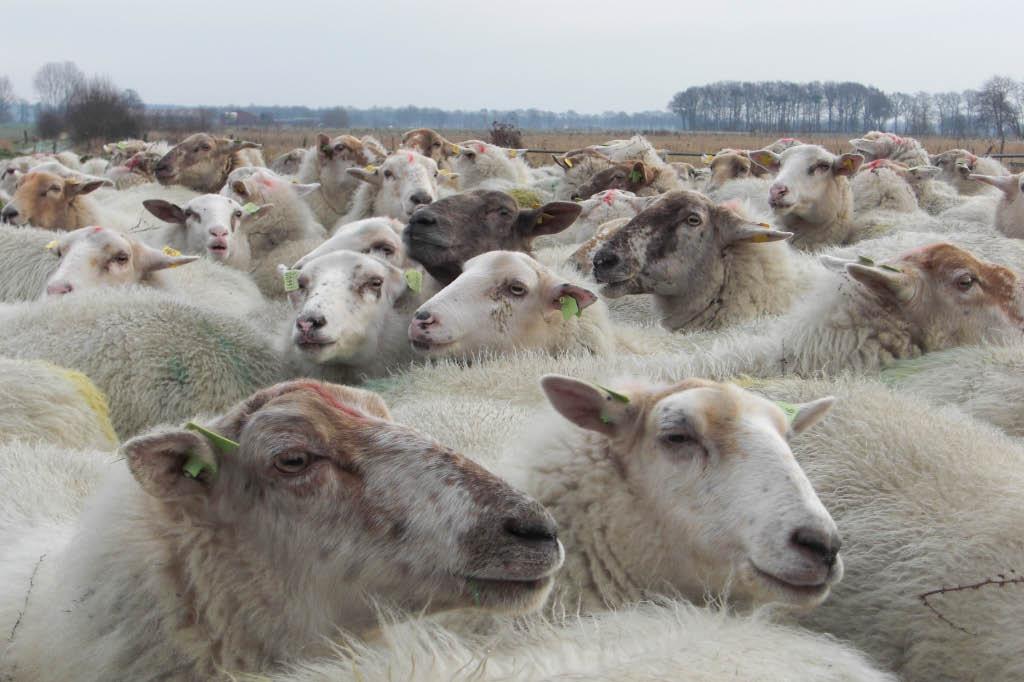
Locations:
column 336, row 156
column 728, row 165
column 363, row 508
column 200, row 162
column 1010, row 212
column 502, row 301
column 478, row 161
column 289, row 162
column 48, row 201
column 809, row 181
column 344, row 300
column 404, row 182
column 429, row 143
column 377, row 237
column 628, row 176
column 211, row 223
column 713, row 464
column 262, row 186
column 447, row 233
column 94, row 257
column 947, row 296
column 676, row 245
column 119, row 152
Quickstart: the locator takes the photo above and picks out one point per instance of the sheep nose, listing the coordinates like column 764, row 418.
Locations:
column 539, row 528
column 219, row 231
column 59, row 288
column 421, row 198
column 777, row 191
column 423, row 217
column 9, row 213
column 425, row 318
column 313, row 321
column 817, row 544
column 605, row 261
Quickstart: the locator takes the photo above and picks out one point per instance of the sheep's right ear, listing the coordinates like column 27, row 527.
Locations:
column 586, row 405
column 888, row 283
column 563, row 163
column 173, row 465
column 165, row 211
column 74, row 188
column 809, row 414
column 767, row 159
column 870, row 146
column 323, row 146
column 756, row 233
column 302, row 190
column 1007, row 184
column 551, row 218
column 834, row 264
column 372, row 177
column 923, row 172
column 847, row 164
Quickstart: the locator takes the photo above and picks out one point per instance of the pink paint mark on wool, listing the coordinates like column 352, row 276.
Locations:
column 480, row 148
column 326, row 396
column 609, row 197
column 411, row 159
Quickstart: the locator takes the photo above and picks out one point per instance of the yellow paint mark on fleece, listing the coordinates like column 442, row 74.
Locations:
column 93, row 397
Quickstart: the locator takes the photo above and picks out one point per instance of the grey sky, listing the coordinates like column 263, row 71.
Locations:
column 587, row 55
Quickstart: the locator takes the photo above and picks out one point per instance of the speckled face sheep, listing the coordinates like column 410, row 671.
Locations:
column 878, row 145
column 94, row 257
column 730, row 164
column 957, row 165
column 202, row 162
column 315, row 488
column 502, row 301
column 405, row 181
column 345, row 301
column 208, row 225
column 430, row 143
column 699, row 493
column 48, row 201
column 1010, row 210
column 378, row 237
column 447, row 233
column 631, row 176
column 479, row 161
column 599, row 209
column 289, row 162
column 811, row 194
column 704, row 263
column 327, row 164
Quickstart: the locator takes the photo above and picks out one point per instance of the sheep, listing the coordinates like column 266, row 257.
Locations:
column 287, row 217
column 878, row 145
column 636, row 148
column 599, row 209
column 404, row 181
column 957, row 165
column 811, row 194
column 378, row 237
column 327, row 164
column 634, row 176
column 209, row 225
column 351, row 319
column 202, row 162
column 479, row 163
column 121, row 151
column 1009, row 214
column 450, row 231
column 40, row 402
column 155, row 356
column 51, row 202
column 883, row 199
column 647, row 643
column 218, row 505
column 289, row 162
column 59, row 169
column 431, row 144
column 27, row 264
column 707, row 266
column 579, row 167
column 731, row 164
column 583, row 257
column 139, row 168
column 504, row 301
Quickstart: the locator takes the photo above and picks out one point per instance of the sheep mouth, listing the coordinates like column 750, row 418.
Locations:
column 796, row 592
column 313, row 345
column 619, row 288
column 781, row 206
column 430, row 347
column 508, row 593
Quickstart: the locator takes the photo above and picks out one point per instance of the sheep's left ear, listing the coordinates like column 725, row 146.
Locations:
column 586, row 405
column 148, row 259
column 756, row 233
column 302, row 190
column 884, row 281
column 237, row 145
column 583, row 297
column 847, row 164
column 805, row 415
column 74, row 188
column 174, row 465
column 372, row 177
column 551, row 218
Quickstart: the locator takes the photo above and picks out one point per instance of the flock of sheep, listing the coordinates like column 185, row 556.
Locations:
column 457, row 417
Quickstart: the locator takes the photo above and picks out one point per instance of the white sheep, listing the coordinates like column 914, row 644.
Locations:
column 578, row 168
column 403, row 182
column 1009, row 213
column 289, row 162
column 156, row 357
column 25, row 262
column 40, row 402
column 49, row 201
column 506, row 301
column 878, row 145
column 203, row 162
column 378, row 237
column 957, row 165
column 217, row 507
column 327, row 164
column 599, row 209
column 483, row 165
column 287, row 217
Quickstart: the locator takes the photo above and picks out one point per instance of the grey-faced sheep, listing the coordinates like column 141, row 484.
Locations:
column 879, row 145
column 203, row 162
column 327, row 164
column 289, row 162
column 957, row 165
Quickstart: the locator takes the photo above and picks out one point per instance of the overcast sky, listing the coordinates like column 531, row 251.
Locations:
column 587, row 55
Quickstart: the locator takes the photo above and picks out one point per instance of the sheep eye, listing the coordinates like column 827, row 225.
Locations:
column 965, row 281
column 376, row 282
column 470, row 155
column 238, row 214
column 292, row 463
column 386, row 249
column 388, row 174
column 436, row 144
column 677, row 439
column 517, row 289
column 339, row 147
column 121, row 258
column 693, row 219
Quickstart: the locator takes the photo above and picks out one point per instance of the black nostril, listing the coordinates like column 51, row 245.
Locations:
column 605, row 261
column 422, row 315
column 420, row 198
column 421, row 217
column 317, row 321
column 533, row 529
column 818, row 543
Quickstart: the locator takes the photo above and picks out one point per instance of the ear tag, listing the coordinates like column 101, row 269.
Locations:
column 789, row 409
column 570, row 308
column 122, row 145
column 848, row 164
column 764, row 225
column 567, row 161
column 51, row 245
column 635, row 176
column 170, row 251
column 707, row 158
column 445, row 172
column 325, row 149
column 414, row 280
column 614, row 395
column 195, row 465
column 512, row 153
column 291, row 280
column 456, row 150
column 864, row 260
column 250, row 208
column 370, row 168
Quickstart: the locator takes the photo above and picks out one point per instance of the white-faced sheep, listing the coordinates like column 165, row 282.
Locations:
column 327, row 164
column 156, row 357
column 957, row 165
column 399, row 519
column 203, row 162
column 378, row 237
column 599, row 209
column 479, row 163
column 405, row 181
column 1009, row 217
column 44, row 403
column 286, row 218
column 209, row 225
column 506, row 301
column 878, row 145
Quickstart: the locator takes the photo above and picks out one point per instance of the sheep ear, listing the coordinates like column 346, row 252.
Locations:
column 74, row 188
column 174, row 465
column 165, row 211
column 302, row 190
column 239, row 188
column 847, row 164
column 371, row 177
column 923, row 172
column 550, row 218
column 639, row 175
column 766, row 158
column 808, row 414
column 583, row 297
column 757, row 233
column 891, row 284
column 586, row 405
column 562, row 162
column 237, row 145
column 1007, row 184
column 870, row 146
column 148, row 259
column 834, row 264
column 323, row 146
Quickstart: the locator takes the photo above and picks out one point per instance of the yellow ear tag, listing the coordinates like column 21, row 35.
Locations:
column 414, row 280
column 568, row 161
column 370, row 168
column 291, row 280
column 169, row 251
column 760, row 238
column 512, row 153
column 51, row 245
column 456, row 150
column 707, row 158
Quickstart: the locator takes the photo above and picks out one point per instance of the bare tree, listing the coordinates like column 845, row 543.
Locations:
column 98, row 110
column 56, row 82
column 998, row 108
column 7, row 99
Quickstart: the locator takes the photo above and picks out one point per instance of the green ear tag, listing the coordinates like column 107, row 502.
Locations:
column 250, row 208
column 218, row 441
column 891, row 268
column 291, row 280
column 614, row 395
column 635, row 176
column 790, row 410
column 122, row 145
column 864, row 260
column 414, row 280
column 570, row 308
